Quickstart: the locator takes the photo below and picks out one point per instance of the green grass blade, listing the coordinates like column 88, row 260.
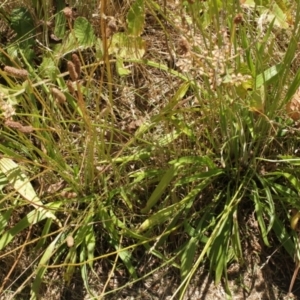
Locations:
column 42, row 268
column 160, row 189
column 259, row 210
column 31, row 218
column 23, row 186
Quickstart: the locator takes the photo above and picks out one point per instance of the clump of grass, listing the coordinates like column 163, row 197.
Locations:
column 101, row 182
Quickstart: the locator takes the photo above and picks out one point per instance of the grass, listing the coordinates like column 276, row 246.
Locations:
column 145, row 141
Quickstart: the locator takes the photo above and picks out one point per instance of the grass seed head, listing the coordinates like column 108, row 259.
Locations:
column 58, row 95
column 18, row 73
column 68, row 13
column 70, row 241
column 184, row 46
column 77, row 64
column 238, row 19
column 18, row 126
column 70, row 87
column 26, row 129
column 72, row 71
column 13, row 124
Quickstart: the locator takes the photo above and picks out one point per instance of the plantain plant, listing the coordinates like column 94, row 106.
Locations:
column 82, row 185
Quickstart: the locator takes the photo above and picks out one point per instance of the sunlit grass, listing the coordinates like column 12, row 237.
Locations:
column 134, row 157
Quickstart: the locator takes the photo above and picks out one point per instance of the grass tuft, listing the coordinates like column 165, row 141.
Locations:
column 146, row 137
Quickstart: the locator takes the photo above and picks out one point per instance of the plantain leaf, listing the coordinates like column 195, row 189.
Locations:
column 31, row 218
column 163, row 184
column 23, row 186
column 188, row 256
column 42, row 268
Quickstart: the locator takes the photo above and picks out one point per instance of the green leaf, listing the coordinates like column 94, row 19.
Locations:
column 4, row 219
column 267, row 76
column 136, row 18
column 84, row 32
column 293, row 87
column 204, row 161
column 23, row 186
column 236, row 241
column 218, row 253
column 283, row 236
column 60, row 23
column 294, row 181
column 84, row 270
column 23, row 24
column 159, row 217
column 127, row 47
column 110, row 225
column 90, row 242
column 31, row 218
column 48, row 68
column 188, row 256
column 70, row 260
column 42, row 268
column 259, row 210
column 164, row 214
column 122, row 71
column 162, row 186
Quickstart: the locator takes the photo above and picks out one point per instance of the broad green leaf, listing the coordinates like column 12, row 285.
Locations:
column 42, row 268
column 48, row 68
column 283, row 236
column 31, row 218
column 203, row 175
column 293, row 160
column 22, row 185
column 110, row 225
column 224, row 217
column 164, row 214
column 4, row 219
column 139, row 155
column 122, row 71
column 183, row 161
column 279, row 16
column 70, row 260
column 160, row 189
column 236, row 241
column 84, row 270
column 22, row 23
column 257, row 101
column 60, row 22
column 126, row 199
column 168, row 138
column 43, row 240
column 267, row 75
column 188, row 256
column 294, row 181
column 3, row 181
column 269, row 201
column 293, row 87
column 218, row 253
column 136, row 18
column 127, row 47
column 84, row 32
column 159, row 217
column 90, row 242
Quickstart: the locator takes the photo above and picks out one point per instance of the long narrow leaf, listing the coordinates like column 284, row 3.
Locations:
column 23, row 186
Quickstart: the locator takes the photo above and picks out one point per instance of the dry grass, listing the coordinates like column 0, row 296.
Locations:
column 90, row 148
